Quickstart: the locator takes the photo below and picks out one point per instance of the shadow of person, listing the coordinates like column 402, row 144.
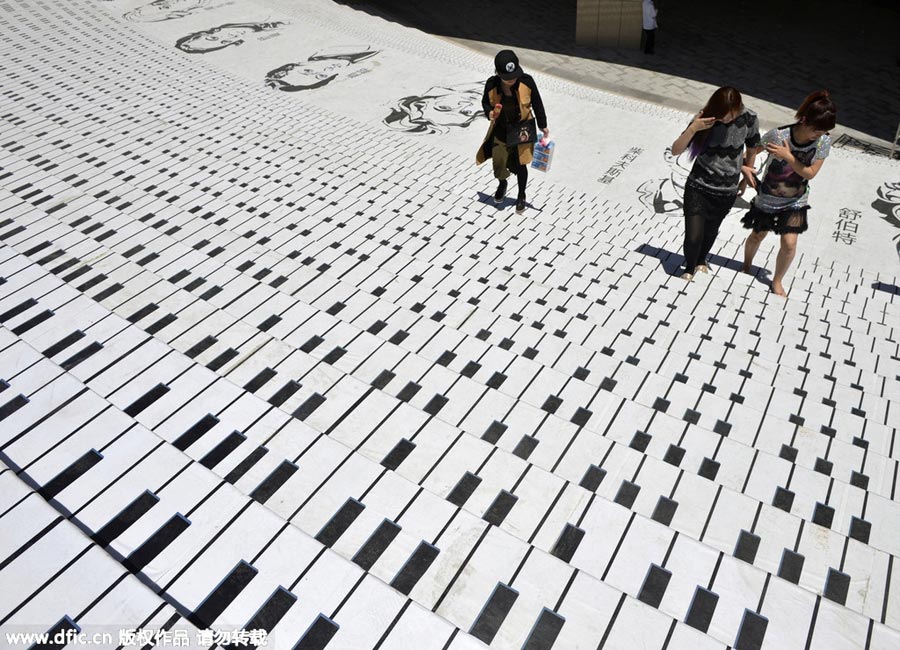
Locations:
column 672, row 263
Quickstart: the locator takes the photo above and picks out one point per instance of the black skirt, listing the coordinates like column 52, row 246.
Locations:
column 712, row 207
column 792, row 220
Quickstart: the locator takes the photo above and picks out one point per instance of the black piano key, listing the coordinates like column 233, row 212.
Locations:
column 58, row 347
column 702, row 608
column 464, row 489
column 123, row 521
column 837, row 585
column 334, row 356
column 383, row 379
column 165, row 321
column 244, row 466
column 592, row 478
column 55, row 255
column 368, row 553
column 12, row 406
column 318, row 634
column 654, row 587
column 3, row 385
column 147, row 399
column 34, row 321
column 223, row 595
column 664, row 511
column 568, row 543
column 218, row 453
column 752, row 631
column 409, row 391
column 157, row 543
column 269, row 323
column 501, row 506
column 546, row 629
column 77, row 273
column 17, row 310
column 273, row 481
column 146, row 310
column 860, row 529
column 272, row 611
column 791, row 566
column 284, row 393
column 197, row 431
column 211, row 293
column 525, row 446
column 60, row 631
column 12, row 233
column 90, row 284
column 37, row 249
column 340, row 522
column 81, row 355
column 106, row 293
column 435, row 405
column 222, row 359
column 627, row 494
column 306, row 409
column 398, row 454
column 494, row 613
column 415, row 567
column 71, row 474
column 259, row 380
column 494, row 431
column 823, row 515
column 200, row 347
column 312, row 344
column 746, row 546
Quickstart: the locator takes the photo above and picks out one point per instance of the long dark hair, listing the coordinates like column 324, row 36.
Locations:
column 725, row 100
column 818, row 111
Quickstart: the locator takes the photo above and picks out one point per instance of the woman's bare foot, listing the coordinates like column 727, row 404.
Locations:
column 778, row 289
column 747, row 268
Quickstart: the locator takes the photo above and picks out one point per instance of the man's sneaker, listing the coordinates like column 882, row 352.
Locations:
column 501, row 192
column 520, row 204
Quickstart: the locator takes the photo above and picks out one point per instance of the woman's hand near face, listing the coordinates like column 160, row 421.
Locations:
column 781, row 151
column 701, row 123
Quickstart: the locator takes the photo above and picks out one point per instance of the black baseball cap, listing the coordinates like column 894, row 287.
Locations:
column 506, row 63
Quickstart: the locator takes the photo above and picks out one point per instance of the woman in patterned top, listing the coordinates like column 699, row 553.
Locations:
column 722, row 135
column 796, row 154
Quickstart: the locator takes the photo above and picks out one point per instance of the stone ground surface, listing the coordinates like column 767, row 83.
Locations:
column 275, row 363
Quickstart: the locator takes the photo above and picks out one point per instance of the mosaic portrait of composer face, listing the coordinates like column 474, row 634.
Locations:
column 887, row 203
column 319, row 69
column 438, row 109
column 665, row 195
column 222, row 36
column 160, row 10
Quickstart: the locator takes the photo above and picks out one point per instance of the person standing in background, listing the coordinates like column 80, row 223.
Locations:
column 649, row 34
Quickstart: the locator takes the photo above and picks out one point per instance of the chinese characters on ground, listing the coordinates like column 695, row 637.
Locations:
column 847, row 226
column 620, row 165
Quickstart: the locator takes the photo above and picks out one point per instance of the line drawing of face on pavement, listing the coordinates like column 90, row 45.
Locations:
column 887, row 203
column 666, row 195
column 319, row 69
column 222, row 36
column 160, row 10
column 438, row 109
